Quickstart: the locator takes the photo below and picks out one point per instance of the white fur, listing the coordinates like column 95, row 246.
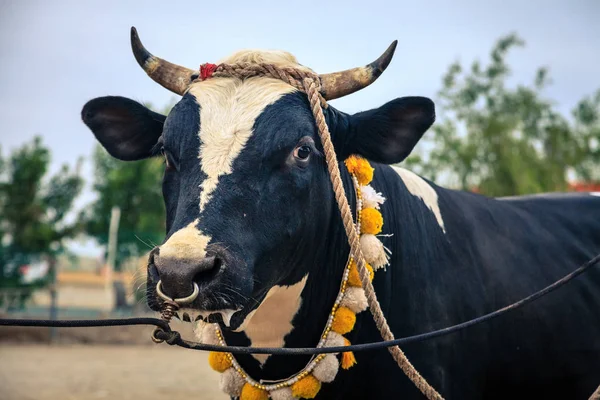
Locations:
column 267, row 325
column 228, row 110
column 326, row 369
column 188, row 243
column 421, row 189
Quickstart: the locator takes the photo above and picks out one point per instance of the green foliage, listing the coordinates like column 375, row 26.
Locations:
column 33, row 208
column 134, row 187
column 506, row 141
column 587, row 124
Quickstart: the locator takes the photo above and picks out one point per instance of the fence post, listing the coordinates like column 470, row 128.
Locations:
column 113, row 230
column 53, row 298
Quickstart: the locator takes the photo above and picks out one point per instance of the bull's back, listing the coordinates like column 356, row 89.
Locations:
column 524, row 244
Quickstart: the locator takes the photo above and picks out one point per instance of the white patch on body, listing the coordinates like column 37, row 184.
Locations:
column 597, row 194
column 421, row 189
column 271, row 321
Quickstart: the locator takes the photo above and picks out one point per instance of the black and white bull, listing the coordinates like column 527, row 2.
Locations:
column 252, row 220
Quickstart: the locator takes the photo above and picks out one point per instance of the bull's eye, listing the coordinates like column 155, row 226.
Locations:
column 302, row 152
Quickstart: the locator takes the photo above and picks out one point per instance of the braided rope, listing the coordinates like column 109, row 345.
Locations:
column 310, row 84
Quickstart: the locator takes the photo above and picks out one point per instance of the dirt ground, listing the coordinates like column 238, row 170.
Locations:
column 92, row 372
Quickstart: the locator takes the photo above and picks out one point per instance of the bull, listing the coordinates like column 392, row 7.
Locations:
column 253, row 225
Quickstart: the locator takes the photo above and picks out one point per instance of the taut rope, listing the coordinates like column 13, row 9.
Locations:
column 310, row 84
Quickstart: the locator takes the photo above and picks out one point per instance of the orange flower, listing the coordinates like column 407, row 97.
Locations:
column 306, row 388
column 354, row 277
column 348, row 359
column 219, row 361
column 343, row 320
column 371, row 221
column 250, row 392
column 360, row 168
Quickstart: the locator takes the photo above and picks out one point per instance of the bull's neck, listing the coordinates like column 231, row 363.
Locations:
column 315, row 294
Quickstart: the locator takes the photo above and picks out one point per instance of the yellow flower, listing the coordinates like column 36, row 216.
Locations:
column 348, row 359
column 250, row 392
column 360, row 168
column 219, row 361
column 306, row 388
column 371, row 221
column 343, row 320
column 354, row 278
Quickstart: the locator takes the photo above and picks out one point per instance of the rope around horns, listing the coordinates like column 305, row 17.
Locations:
column 310, row 84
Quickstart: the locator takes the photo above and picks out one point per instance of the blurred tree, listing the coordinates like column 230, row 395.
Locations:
column 33, row 210
column 135, row 187
column 587, row 124
column 504, row 141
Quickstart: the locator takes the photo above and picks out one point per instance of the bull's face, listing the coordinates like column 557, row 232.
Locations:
column 245, row 185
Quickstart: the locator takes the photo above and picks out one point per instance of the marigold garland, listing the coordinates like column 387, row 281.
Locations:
column 250, row 392
column 220, row 362
column 306, row 388
column 344, row 321
column 360, row 168
column 351, row 300
column 354, row 277
column 348, row 359
column 371, row 222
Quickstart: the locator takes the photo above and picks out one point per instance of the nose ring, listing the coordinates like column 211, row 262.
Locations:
column 183, row 300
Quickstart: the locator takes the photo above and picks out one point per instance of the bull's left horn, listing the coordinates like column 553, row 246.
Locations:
column 170, row 76
column 339, row 84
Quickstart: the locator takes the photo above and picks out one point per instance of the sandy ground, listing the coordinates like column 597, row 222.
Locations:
column 86, row 372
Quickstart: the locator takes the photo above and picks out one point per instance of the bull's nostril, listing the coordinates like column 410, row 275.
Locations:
column 208, row 269
column 153, row 273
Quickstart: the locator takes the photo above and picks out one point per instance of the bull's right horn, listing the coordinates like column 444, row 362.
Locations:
column 170, row 76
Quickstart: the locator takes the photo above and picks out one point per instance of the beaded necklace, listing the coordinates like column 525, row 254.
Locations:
column 351, row 300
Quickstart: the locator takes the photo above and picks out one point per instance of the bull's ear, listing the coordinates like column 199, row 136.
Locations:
column 126, row 129
column 389, row 133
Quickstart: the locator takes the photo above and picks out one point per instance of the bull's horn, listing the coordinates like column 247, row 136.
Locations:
column 339, row 84
column 170, row 76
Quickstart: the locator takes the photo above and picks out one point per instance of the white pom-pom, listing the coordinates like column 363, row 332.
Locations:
column 232, row 382
column 206, row 333
column 373, row 251
column 371, row 198
column 334, row 339
column 284, row 393
column 355, row 299
column 326, row 369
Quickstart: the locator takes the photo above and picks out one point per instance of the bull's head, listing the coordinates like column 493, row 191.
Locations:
column 245, row 186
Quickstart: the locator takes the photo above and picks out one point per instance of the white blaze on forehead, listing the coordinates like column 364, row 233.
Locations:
column 228, row 109
column 188, row 243
column 271, row 321
column 421, row 189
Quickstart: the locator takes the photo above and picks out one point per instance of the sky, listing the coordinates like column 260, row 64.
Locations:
column 57, row 55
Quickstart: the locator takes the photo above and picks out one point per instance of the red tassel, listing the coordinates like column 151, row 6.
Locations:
column 207, row 70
